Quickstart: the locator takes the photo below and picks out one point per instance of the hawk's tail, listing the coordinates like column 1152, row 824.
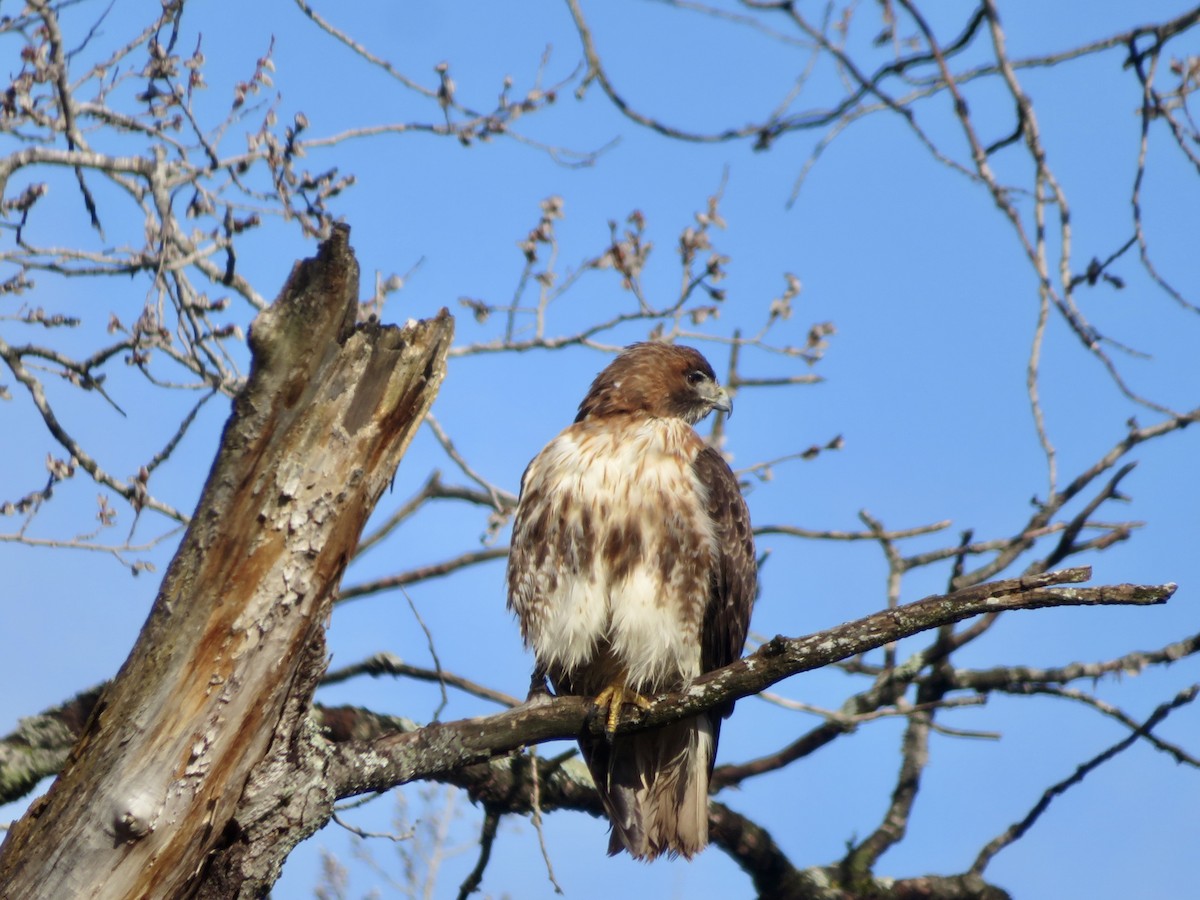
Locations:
column 654, row 785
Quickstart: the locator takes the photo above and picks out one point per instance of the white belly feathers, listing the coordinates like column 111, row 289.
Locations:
column 624, row 551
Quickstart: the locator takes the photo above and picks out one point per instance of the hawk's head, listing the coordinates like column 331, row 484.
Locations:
column 659, row 380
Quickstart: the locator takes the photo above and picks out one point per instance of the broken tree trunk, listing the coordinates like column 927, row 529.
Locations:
column 197, row 772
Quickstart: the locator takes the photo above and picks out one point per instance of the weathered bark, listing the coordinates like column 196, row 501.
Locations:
column 39, row 746
column 206, row 724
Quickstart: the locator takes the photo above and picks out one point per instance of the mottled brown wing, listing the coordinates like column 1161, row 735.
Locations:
column 735, row 573
column 523, row 553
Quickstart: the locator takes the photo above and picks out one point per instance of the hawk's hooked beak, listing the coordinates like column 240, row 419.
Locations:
column 718, row 398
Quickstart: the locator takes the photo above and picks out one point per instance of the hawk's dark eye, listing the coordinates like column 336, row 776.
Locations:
column 696, row 377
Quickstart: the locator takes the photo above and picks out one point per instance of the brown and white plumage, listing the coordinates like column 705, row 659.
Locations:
column 632, row 571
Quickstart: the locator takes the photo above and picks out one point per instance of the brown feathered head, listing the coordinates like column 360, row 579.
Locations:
column 657, row 380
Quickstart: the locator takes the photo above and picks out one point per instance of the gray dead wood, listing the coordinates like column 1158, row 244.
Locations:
column 197, row 771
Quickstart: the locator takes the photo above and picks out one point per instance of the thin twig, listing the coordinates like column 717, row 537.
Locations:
column 388, row 664
column 437, row 663
column 535, row 787
column 1015, row 831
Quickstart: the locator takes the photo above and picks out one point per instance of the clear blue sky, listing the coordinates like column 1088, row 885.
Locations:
column 934, row 309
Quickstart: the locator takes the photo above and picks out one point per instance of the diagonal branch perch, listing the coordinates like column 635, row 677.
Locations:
column 361, row 766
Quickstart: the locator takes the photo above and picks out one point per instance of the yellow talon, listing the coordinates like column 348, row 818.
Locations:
column 615, row 696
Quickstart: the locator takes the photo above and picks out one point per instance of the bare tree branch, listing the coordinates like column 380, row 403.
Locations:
column 435, row 749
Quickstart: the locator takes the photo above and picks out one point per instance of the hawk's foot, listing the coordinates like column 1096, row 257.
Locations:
column 613, row 698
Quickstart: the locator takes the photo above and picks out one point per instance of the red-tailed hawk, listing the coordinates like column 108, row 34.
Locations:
column 632, row 571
